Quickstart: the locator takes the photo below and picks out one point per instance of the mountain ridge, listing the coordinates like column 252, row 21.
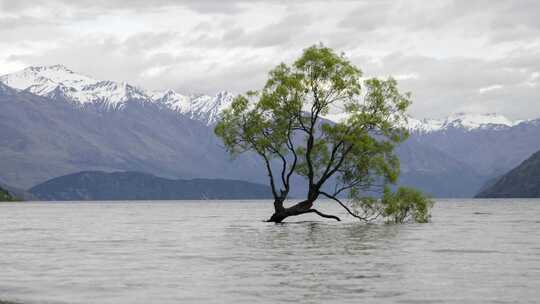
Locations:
column 60, row 82
column 129, row 185
column 42, row 137
column 522, row 181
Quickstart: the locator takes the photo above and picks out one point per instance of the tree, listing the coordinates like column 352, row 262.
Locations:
column 284, row 124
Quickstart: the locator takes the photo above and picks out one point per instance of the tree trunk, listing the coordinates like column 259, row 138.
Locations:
column 281, row 213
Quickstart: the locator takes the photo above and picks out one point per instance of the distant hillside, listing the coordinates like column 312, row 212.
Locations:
column 43, row 138
column 523, row 181
column 97, row 185
column 54, row 121
column 436, row 172
column 18, row 193
column 5, row 196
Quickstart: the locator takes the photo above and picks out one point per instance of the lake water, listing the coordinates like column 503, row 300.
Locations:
column 474, row 251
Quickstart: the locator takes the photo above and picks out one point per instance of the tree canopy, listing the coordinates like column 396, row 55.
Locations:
column 286, row 124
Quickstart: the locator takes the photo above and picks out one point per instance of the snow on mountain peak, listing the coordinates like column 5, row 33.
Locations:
column 59, row 82
column 424, row 125
column 209, row 108
column 474, row 121
column 457, row 120
column 461, row 120
column 51, row 69
column 50, row 81
column 199, row 107
column 40, row 76
column 172, row 100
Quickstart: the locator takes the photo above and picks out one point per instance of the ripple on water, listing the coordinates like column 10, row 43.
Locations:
column 465, row 251
column 220, row 252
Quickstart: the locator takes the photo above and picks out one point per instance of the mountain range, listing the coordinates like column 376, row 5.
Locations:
column 54, row 134
column 54, row 122
column 467, row 157
column 96, row 185
column 522, row 181
column 57, row 82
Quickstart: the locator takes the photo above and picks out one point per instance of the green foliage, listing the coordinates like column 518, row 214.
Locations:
column 284, row 124
column 400, row 206
column 5, row 196
column 406, row 204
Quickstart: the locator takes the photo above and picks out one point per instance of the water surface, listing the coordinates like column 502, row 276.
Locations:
column 474, row 251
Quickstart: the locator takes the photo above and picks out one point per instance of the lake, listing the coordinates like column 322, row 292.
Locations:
column 473, row 251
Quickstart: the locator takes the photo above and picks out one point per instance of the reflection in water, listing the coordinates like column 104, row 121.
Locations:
column 212, row 252
column 316, row 260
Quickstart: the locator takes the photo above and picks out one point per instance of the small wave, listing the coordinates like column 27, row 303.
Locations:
column 464, row 251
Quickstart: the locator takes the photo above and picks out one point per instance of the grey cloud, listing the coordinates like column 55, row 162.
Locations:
column 129, row 59
column 289, row 28
column 104, row 6
column 443, row 86
column 106, row 57
column 17, row 31
column 516, row 20
column 148, row 41
column 502, row 21
column 367, row 17
column 239, row 76
column 292, row 27
column 10, row 23
column 229, row 50
column 518, row 13
column 202, row 6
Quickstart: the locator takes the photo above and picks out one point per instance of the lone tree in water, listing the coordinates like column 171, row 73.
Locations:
column 284, row 124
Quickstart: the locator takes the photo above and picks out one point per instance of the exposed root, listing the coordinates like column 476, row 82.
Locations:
column 279, row 217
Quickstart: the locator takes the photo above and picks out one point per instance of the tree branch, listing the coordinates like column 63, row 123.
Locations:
column 313, row 121
column 336, row 168
column 290, row 145
column 332, row 158
column 323, row 215
column 344, row 206
column 281, row 156
column 270, row 175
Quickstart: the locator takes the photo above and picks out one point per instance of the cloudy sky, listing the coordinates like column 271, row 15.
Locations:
column 455, row 56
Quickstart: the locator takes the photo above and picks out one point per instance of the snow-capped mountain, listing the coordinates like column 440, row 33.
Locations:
column 424, row 125
column 48, row 128
column 464, row 121
column 60, row 83
column 199, row 107
column 44, row 137
column 459, row 120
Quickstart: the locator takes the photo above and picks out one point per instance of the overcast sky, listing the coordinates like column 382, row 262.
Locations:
column 455, row 56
